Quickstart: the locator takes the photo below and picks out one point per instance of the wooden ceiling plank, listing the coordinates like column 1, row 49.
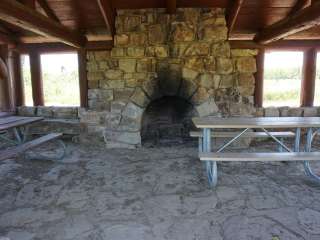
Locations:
column 47, row 9
column 108, row 14
column 232, row 13
column 171, row 6
column 17, row 14
column 6, row 39
column 305, row 19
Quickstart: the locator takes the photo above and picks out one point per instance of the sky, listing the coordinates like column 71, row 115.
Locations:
column 283, row 59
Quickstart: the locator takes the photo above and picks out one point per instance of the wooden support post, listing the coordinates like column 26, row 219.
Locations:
column 258, row 91
column 5, row 84
column 308, row 77
column 232, row 14
column 15, row 65
column 83, row 82
column 36, row 78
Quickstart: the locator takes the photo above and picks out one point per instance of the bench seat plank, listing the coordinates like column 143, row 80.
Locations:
column 14, row 151
column 246, row 135
column 251, row 157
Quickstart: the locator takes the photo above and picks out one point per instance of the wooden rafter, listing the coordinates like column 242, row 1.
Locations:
column 17, row 14
column 108, row 14
column 305, row 19
column 6, row 39
column 233, row 13
column 300, row 4
column 46, row 8
column 171, row 6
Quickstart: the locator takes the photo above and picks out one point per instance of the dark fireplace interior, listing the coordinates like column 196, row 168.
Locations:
column 167, row 120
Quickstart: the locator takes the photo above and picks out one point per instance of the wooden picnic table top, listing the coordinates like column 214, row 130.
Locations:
column 17, row 121
column 260, row 122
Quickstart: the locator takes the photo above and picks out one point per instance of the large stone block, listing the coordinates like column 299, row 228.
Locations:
column 246, row 65
column 114, row 74
column 189, row 73
column 118, row 52
column 206, row 80
column 130, row 23
column 195, row 63
column 138, row 39
column 127, row 65
column 182, row 32
column 117, row 106
column 132, row 111
column 26, row 111
column 145, row 65
column 135, row 51
column 161, row 51
column 200, row 96
column 244, row 52
column 123, row 94
column 220, row 49
column 157, row 34
column 140, row 98
column 210, row 64
column 271, row 112
column 65, row 112
column 311, row 112
column 197, row 49
column 178, row 50
column 112, row 120
column 213, row 33
column 208, row 108
column 112, row 84
column 246, row 80
column 121, row 40
column 101, row 94
column 95, row 76
column 227, row 81
column 43, row 111
column 224, row 65
column 101, row 55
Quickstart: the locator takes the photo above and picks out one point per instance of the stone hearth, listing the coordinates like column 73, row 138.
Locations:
column 158, row 55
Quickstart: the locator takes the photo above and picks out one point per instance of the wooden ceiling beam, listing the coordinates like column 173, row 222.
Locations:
column 17, row 14
column 171, row 6
column 305, row 19
column 48, row 11
column 232, row 13
column 6, row 39
column 109, row 14
column 300, row 4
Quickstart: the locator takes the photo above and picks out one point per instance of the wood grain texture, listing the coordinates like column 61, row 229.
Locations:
column 245, row 135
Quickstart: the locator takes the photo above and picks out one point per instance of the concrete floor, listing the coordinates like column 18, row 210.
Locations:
column 154, row 194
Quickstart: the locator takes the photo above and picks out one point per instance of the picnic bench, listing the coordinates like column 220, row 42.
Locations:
column 207, row 124
column 19, row 127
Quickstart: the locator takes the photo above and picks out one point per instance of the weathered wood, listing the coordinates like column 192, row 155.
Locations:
column 83, row 81
column 233, row 12
column 16, row 121
column 17, row 14
column 286, row 45
column 16, row 75
column 300, row 4
column 49, row 12
column 108, row 14
column 6, row 39
column 15, row 151
column 260, row 157
column 259, row 78
column 5, row 87
column 245, row 135
column 262, row 122
column 305, row 19
column 171, row 6
column 36, row 79
column 308, row 77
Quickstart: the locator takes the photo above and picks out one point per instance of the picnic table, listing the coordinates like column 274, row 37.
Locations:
column 264, row 124
column 19, row 126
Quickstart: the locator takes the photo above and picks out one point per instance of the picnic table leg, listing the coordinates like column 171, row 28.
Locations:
column 211, row 166
column 297, row 140
column 308, row 148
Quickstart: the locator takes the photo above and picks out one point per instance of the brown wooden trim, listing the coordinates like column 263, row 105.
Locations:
column 83, row 81
column 171, row 6
column 308, row 77
column 292, row 45
column 18, row 87
column 36, row 78
column 233, row 13
column 6, row 88
column 258, row 90
column 305, row 19
column 108, row 14
column 18, row 14
column 49, row 12
column 6, row 39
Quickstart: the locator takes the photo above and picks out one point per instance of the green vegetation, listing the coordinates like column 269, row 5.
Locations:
column 282, row 86
column 60, row 88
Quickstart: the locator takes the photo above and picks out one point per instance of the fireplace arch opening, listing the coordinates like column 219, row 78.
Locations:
column 167, row 120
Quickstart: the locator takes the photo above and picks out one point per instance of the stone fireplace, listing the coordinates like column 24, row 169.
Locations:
column 163, row 70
